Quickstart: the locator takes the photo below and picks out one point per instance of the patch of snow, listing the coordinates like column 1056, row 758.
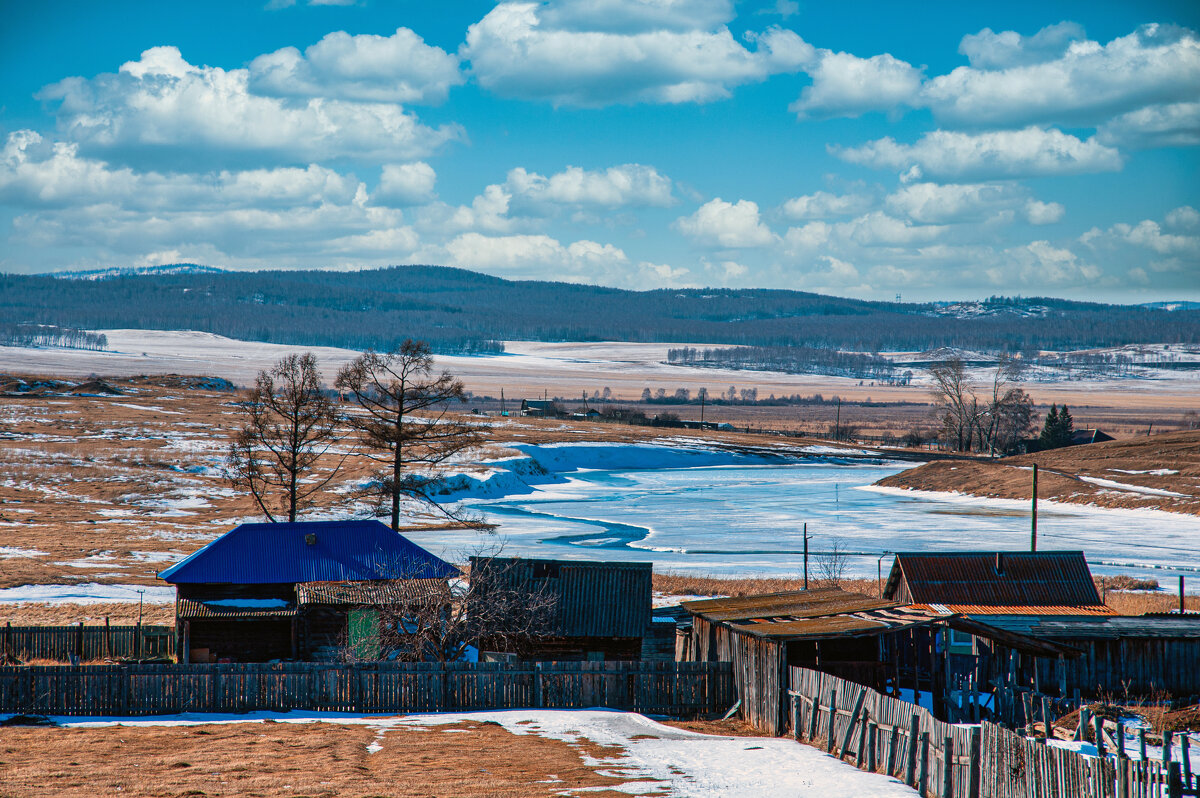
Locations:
column 10, row 552
column 88, row 593
column 150, row 408
column 661, row 758
column 1127, row 488
column 1158, row 472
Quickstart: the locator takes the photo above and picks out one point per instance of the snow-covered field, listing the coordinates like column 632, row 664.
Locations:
column 654, row 758
column 564, row 368
column 728, row 514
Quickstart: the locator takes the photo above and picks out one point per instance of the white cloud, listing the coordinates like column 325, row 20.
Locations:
column 944, row 154
column 825, row 205
column 846, row 85
column 628, row 16
column 1086, row 85
column 1183, row 218
column 989, row 50
column 513, row 54
column 880, row 229
column 618, row 186
column 534, row 254
column 1148, row 234
column 400, row 68
column 405, row 184
column 163, row 110
column 1041, row 263
column 1038, row 212
column 953, row 202
column 1174, row 125
column 37, row 173
column 721, row 224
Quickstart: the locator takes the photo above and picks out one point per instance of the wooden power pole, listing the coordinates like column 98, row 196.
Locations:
column 1033, row 531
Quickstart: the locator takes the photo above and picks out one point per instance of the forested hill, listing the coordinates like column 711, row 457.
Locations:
column 459, row 310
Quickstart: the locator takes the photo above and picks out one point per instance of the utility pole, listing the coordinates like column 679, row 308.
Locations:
column 806, row 556
column 702, row 392
column 1033, row 531
column 502, row 401
column 837, row 426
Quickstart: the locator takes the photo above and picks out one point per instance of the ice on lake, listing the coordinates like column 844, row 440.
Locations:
column 747, row 518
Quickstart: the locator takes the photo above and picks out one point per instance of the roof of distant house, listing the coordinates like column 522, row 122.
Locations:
column 308, row 551
column 1051, row 579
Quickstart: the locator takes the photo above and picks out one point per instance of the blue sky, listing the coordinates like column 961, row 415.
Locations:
column 934, row 150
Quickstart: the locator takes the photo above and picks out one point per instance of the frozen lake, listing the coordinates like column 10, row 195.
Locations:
column 747, row 519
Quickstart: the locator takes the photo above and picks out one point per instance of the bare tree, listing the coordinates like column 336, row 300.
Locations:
column 406, row 424
column 960, row 407
column 443, row 620
column 289, row 425
column 832, row 564
column 970, row 422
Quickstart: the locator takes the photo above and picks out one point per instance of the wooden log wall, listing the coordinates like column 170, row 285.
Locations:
column 883, row 734
column 86, row 643
column 669, row 688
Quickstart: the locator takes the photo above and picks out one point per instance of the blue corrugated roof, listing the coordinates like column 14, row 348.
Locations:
column 277, row 553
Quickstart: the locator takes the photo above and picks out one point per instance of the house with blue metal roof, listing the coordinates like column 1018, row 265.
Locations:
column 266, row 591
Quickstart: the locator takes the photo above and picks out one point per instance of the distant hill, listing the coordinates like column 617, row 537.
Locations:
column 142, row 271
column 463, row 311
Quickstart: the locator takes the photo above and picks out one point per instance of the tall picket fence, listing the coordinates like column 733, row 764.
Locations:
column 669, row 688
column 883, row 734
column 86, row 643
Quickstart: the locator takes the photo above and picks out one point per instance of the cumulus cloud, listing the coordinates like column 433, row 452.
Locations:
column 943, row 154
column 953, row 202
column 722, row 224
column 513, row 54
column 1042, row 263
column 532, row 254
column 1173, row 125
column 38, row 173
column 1037, row 212
column 1183, row 218
column 404, row 184
column 631, row 16
column 825, row 205
column 846, row 85
column 629, row 184
column 989, row 50
column 1089, row 83
column 400, row 68
column 162, row 110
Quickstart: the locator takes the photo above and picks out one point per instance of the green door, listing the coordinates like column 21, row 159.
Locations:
column 364, row 634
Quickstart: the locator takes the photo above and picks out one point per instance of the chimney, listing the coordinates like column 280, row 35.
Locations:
column 310, row 539
column 1000, row 563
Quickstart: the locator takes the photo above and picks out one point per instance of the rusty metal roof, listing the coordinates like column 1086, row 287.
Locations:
column 1014, row 609
column 792, row 604
column 1030, row 579
column 847, row 624
column 395, row 591
column 248, row 610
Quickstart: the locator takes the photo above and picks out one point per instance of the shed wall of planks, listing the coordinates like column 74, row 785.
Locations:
column 668, row 688
column 87, row 642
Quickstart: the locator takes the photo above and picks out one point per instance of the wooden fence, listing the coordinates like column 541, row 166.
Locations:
column 883, row 734
column 83, row 643
column 668, row 688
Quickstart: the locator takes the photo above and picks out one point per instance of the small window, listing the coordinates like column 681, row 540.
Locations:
column 958, row 638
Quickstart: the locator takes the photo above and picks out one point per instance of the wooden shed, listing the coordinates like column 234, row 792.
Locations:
column 601, row 610
column 882, row 644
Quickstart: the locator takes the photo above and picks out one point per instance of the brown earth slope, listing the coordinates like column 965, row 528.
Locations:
column 1153, row 472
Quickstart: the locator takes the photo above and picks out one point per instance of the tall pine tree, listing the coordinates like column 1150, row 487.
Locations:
column 1046, row 439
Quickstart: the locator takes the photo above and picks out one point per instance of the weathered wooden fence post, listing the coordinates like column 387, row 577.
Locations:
column 893, row 744
column 947, row 767
column 812, row 718
column 910, row 768
column 974, row 781
column 849, row 735
column 832, row 721
column 873, row 747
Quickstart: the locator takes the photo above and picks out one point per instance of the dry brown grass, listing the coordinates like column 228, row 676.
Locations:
column 1142, row 603
column 123, row 614
column 1061, row 469
column 688, row 585
column 317, row 759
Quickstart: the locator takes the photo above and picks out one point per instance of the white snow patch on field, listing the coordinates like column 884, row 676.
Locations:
column 1127, row 488
column 663, row 760
column 10, row 552
column 88, row 593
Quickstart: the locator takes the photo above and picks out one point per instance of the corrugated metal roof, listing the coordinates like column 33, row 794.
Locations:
column 856, row 624
column 280, row 553
column 395, row 591
column 1099, row 628
column 192, row 609
column 1044, row 578
column 1002, row 609
column 794, row 604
